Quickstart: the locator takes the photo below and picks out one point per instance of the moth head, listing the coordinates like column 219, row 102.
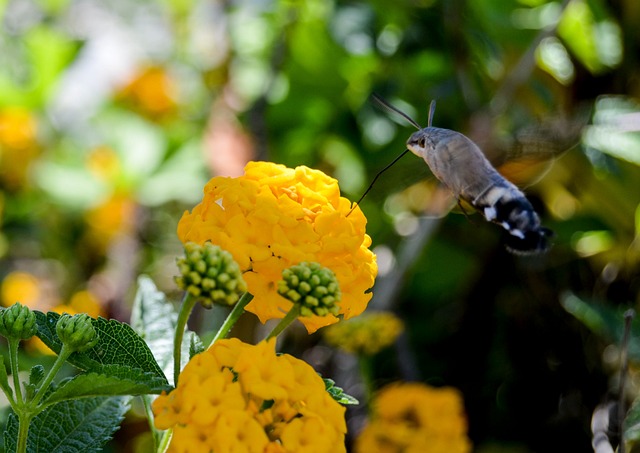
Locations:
column 420, row 143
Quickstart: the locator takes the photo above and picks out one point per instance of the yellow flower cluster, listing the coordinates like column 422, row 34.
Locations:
column 236, row 397
column 367, row 334
column 108, row 220
column 17, row 129
column 152, row 92
column 18, row 145
column 416, row 418
column 21, row 287
column 274, row 217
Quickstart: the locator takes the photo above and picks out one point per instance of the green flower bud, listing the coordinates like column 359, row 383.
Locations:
column 77, row 331
column 18, row 321
column 312, row 286
column 210, row 274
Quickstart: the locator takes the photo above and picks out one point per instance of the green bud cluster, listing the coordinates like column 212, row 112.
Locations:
column 18, row 322
column 77, row 332
column 312, row 286
column 210, row 274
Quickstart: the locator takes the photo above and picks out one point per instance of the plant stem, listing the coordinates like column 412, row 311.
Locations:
column 185, row 310
column 232, row 318
column 624, row 371
column 155, row 433
column 23, row 430
column 13, row 363
column 65, row 352
column 30, row 409
column 165, row 441
column 365, row 373
column 284, row 322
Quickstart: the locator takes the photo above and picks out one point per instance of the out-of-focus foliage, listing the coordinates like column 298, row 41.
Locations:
column 114, row 114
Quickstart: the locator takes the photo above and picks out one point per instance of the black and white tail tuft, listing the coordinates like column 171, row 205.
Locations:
column 509, row 208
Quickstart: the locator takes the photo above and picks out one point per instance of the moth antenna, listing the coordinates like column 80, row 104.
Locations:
column 391, row 108
column 432, row 110
column 375, row 179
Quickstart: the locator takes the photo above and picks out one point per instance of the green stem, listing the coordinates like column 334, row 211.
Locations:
column 185, row 310
column 165, row 441
column 26, row 413
column 156, row 434
column 23, row 431
column 232, row 318
column 13, row 364
column 284, row 322
column 65, row 352
column 364, row 363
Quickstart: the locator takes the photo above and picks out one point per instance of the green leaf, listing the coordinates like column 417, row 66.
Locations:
column 4, row 380
column 338, row 394
column 46, row 52
column 125, row 131
column 167, row 183
column 118, row 344
column 631, row 425
column 595, row 42
column 119, row 380
column 196, row 346
column 69, row 186
column 35, row 377
column 155, row 318
column 83, row 425
column 606, row 321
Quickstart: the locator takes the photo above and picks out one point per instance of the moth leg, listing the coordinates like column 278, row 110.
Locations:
column 464, row 211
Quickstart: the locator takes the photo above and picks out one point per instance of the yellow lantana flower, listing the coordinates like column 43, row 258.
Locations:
column 274, row 217
column 368, row 334
column 238, row 397
column 414, row 417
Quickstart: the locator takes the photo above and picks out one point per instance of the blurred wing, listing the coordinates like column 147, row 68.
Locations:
column 535, row 148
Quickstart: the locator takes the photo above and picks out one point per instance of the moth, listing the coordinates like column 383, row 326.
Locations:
column 460, row 165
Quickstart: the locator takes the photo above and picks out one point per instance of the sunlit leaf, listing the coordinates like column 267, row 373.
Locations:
column 45, row 54
column 596, row 44
column 180, row 178
column 154, row 318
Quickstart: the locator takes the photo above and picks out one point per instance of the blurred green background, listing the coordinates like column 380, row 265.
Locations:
column 114, row 114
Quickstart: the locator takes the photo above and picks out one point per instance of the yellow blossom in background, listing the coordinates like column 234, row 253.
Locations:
column 21, row 287
column 85, row 301
column 367, row 334
column 18, row 145
column 236, row 397
column 416, row 418
column 152, row 92
column 114, row 216
column 274, row 217
column 104, row 163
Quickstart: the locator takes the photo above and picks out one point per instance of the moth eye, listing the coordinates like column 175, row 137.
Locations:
column 422, row 142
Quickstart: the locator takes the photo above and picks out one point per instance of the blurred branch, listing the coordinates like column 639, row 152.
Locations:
column 624, row 371
column 257, row 113
column 388, row 287
column 522, row 70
